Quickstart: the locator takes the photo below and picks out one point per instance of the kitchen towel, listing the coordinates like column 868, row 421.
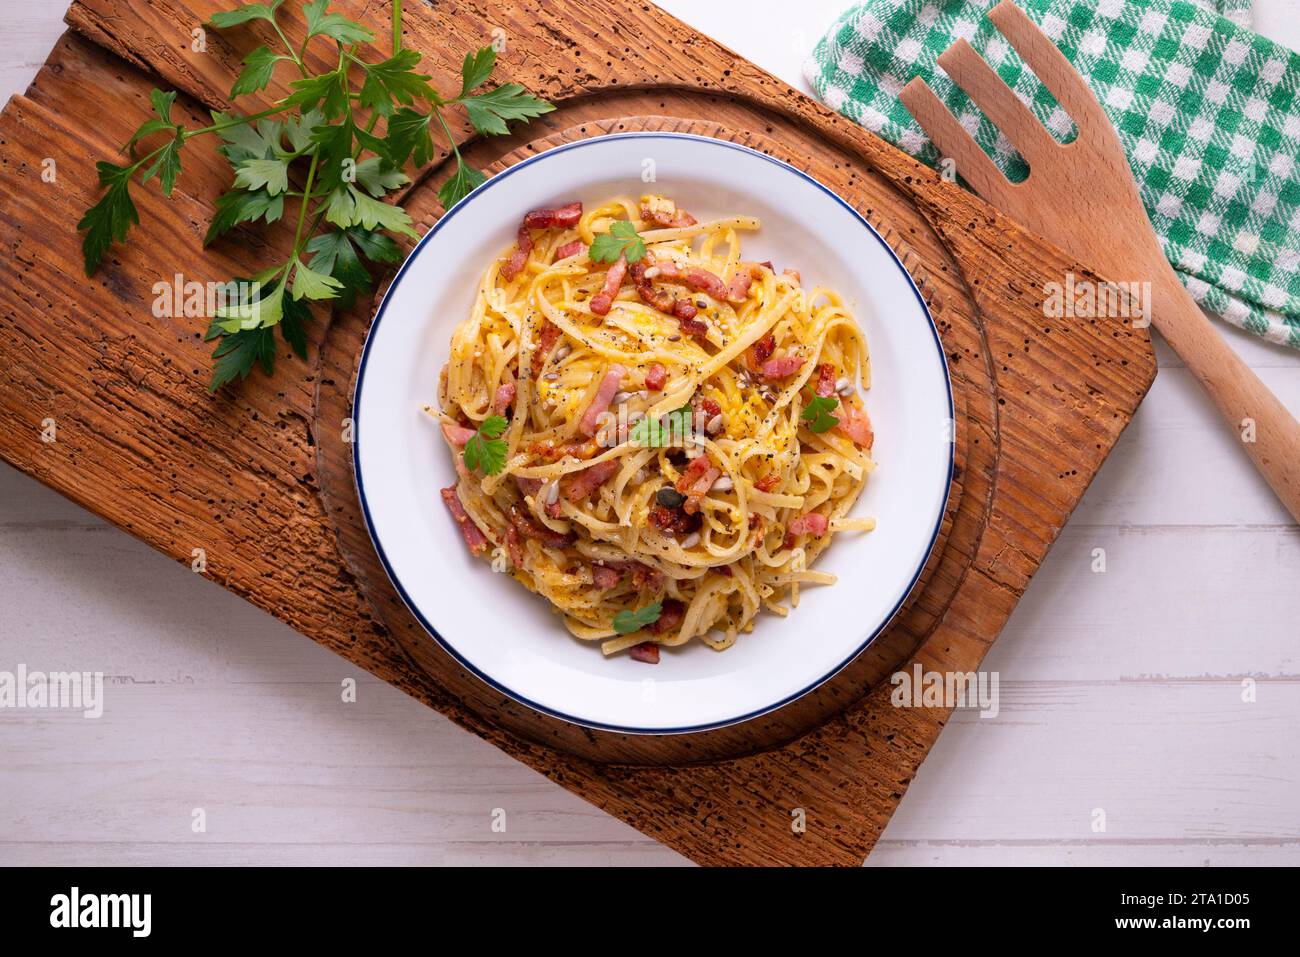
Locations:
column 1207, row 112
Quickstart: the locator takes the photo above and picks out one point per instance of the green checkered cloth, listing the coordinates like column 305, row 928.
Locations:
column 1207, row 112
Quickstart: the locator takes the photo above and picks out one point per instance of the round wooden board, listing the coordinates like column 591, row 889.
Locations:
column 965, row 518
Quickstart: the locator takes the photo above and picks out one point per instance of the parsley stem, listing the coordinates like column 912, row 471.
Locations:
column 288, row 46
column 238, row 121
column 397, row 26
column 450, row 139
column 302, row 209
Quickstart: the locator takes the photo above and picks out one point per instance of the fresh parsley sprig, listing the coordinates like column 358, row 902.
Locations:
column 621, row 240
column 486, row 450
column 626, row 622
column 817, row 413
column 656, row 433
column 326, row 134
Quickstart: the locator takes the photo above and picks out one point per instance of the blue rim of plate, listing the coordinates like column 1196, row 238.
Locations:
column 444, row 643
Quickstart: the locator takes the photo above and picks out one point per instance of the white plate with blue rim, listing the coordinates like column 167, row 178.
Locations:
column 511, row 638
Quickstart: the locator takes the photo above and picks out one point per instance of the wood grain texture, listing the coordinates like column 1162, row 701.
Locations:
column 140, row 444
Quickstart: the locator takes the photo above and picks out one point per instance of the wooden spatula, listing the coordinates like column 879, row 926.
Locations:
column 1082, row 197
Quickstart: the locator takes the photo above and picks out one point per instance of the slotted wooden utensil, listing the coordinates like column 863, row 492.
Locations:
column 1082, row 196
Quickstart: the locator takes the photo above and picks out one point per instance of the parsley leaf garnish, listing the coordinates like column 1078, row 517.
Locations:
column 329, row 154
column 657, row 433
column 626, row 622
column 817, row 413
column 621, row 240
column 489, row 112
column 486, row 450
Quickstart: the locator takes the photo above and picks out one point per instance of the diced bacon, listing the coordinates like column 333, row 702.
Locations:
column 685, row 310
column 571, row 248
column 457, row 434
column 529, row 486
column 656, row 377
column 694, row 328
column 647, row 651
column 600, row 403
column 778, row 367
column 579, row 485
column 474, row 537
column 514, row 547
column 696, row 481
column 545, row 343
column 826, row 379
column 724, row 571
column 519, row 258
column 792, row 273
column 657, row 298
column 694, row 471
column 746, row 273
column 768, row 482
column 761, row 350
column 814, row 523
column 504, row 398
column 605, row 577
column 664, row 213
column 693, row 278
column 645, row 577
column 674, row 520
column 550, row 451
column 563, row 217
column 528, row 528
column 603, row 300
column 670, row 618
column 856, row 425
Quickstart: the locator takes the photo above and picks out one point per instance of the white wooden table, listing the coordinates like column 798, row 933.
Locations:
column 1120, row 691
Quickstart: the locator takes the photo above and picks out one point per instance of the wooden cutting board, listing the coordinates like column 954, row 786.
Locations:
column 258, row 478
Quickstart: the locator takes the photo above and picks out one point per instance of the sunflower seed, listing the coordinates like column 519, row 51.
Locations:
column 551, row 376
column 723, row 484
column 563, row 352
column 620, row 397
column 714, row 425
column 552, row 492
column 652, row 272
column 691, row 540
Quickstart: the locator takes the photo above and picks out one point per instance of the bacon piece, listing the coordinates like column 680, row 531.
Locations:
column 814, row 523
column 605, row 577
column 528, row 486
column 826, row 379
column 792, row 273
column 519, row 258
column 647, row 651
column 571, row 248
column 600, row 403
column 674, row 520
column 856, row 425
column 579, row 485
column 528, row 528
column 474, row 537
column 696, row 481
column 514, row 547
column 664, row 213
column 746, row 273
column 693, row 278
column 724, row 571
column 670, row 618
column 684, row 310
column 656, row 377
column 545, row 342
column 603, row 300
column 761, row 350
column 504, row 398
column 645, row 577
column 694, row 327
column 550, row 451
column 562, row 216
column 778, row 367
column 457, row 434
column 768, row 482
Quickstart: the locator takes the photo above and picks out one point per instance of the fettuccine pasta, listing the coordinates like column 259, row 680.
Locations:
column 654, row 434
